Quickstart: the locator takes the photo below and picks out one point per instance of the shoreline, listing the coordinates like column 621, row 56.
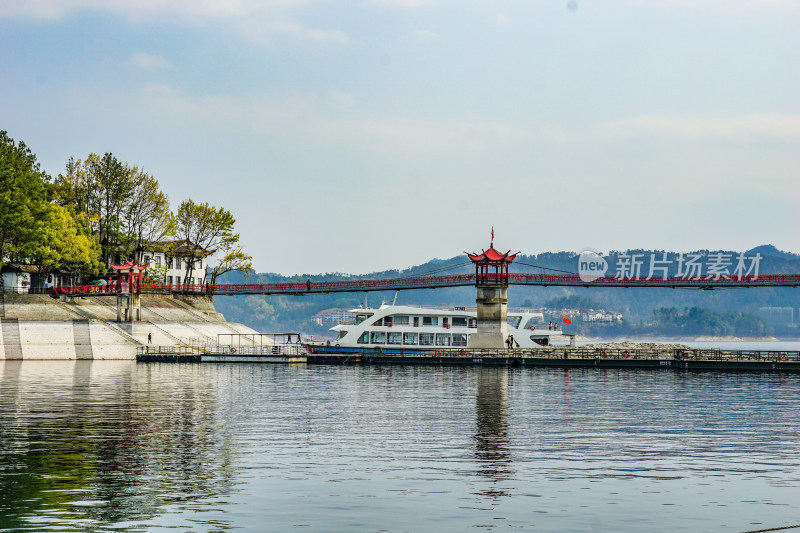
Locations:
column 668, row 339
column 40, row 327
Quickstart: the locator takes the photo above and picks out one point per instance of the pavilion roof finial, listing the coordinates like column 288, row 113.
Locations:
column 491, row 243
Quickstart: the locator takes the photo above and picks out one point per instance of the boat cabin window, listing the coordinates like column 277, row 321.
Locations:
column 342, row 334
column 379, row 322
column 473, row 322
column 409, row 338
column 361, row 318
column 395, row 337
column 459, row 339
column 416, row 321
column 442, row 339
column 445, row 322
column 401, row 320
column 430, row 320
column 459, row 321
column 364, row 338
column 513, row 321
column 426, row 339
column 378, row 337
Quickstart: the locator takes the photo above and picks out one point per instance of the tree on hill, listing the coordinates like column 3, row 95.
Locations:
column 23, row 198
column 573, row 301
column 210, row 230
column 61, row 242
column 124, row 205
column 233, row 259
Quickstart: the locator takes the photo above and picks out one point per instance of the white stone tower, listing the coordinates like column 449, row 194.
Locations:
column 491, row 282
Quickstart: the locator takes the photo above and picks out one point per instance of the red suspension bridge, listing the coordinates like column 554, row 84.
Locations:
column 441, row 281
column 491, row 268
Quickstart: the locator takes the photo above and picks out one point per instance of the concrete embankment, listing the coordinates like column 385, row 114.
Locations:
column 35, row 326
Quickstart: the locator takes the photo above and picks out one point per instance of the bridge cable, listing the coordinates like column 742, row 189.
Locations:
column 546, row 268
column 439, row 270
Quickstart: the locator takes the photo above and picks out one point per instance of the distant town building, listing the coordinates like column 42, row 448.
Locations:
column 783, row 316
column 587, row 315
column 600, row 315
column 333, row 316
column 174, row 255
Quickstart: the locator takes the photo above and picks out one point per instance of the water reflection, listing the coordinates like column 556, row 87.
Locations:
column 492, row 449
column 106, row 443
column 115, row 446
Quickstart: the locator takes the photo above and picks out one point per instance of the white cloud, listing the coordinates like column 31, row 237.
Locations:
column 266, row 33
column 501, row 19
column 718, row 6
column 260, row 21
column 783, row 128
column 184, row 9
column 405, row 3
column 310, row 116
column 146, row 61
column 426, row 35
column 341, row 100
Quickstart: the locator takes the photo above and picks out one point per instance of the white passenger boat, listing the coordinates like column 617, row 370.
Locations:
column 408, row 329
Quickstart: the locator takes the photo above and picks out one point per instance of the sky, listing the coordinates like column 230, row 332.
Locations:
column 362, row 135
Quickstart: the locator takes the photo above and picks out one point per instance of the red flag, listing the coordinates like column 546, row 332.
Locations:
column 567, row 320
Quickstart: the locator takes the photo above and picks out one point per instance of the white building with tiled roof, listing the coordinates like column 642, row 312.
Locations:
column 175, row 255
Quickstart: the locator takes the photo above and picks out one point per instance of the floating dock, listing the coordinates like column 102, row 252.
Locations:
column 554, row 357
column 575, row 357
column 279, row 353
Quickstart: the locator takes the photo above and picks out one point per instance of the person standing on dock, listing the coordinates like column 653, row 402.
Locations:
column 149, row 338
column 308, row 284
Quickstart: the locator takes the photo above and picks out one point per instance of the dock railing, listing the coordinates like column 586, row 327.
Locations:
column 577, row 352
column 216, row 349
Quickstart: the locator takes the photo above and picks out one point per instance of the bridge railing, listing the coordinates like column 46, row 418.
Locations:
column 767, row 280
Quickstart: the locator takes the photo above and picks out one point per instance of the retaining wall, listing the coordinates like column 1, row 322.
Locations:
column 42, row 328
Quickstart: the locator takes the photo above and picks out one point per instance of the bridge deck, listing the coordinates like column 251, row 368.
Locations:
column 457, row 280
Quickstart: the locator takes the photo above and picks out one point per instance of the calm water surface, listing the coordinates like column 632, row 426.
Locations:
column 116, row 446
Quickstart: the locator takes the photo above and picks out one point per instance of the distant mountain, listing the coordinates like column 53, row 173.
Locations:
column 293, row 313
column 768, row 250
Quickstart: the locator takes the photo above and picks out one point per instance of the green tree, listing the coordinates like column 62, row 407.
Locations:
column 124, row 205
column 148, row 217
column 114, row 192
column 206, row 230
column 233, row 259
column 23, row 196
column 61, row 242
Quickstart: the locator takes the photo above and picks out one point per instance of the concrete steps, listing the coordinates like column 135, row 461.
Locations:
column 202, row 317
column 89, row 317
column 83, row 339
column 175, row 339
column 11, row 341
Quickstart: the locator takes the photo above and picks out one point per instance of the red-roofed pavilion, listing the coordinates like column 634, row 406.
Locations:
column 129, row 287
column 130, row 273
column 491, row 282
column 491, row 266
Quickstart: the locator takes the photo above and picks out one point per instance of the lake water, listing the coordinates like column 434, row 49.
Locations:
column 120, row 446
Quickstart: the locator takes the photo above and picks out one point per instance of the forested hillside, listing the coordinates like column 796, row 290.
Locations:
column 639, row 306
